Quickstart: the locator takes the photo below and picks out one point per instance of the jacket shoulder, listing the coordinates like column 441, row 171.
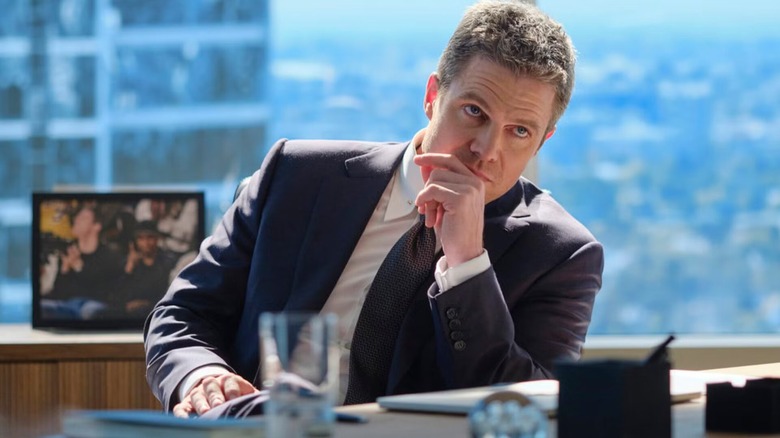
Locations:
column 329, row 149
column 552, row 218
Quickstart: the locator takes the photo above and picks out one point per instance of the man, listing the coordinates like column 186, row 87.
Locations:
column 86, row 271
column 512, row 291
column 146, row 270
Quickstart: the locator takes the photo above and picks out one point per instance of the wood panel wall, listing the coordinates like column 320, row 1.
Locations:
column 42, row 375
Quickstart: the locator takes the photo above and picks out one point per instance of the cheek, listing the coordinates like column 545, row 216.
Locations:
column 439, row 139
column 513, row 167
column 453, row 139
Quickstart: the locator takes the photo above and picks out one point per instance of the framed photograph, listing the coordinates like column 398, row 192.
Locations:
column 102, row 260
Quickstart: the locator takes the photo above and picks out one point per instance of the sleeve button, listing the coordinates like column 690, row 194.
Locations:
column 460, row 345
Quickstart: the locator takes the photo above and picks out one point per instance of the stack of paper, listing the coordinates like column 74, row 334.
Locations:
column 133, row 424
column 684, row 386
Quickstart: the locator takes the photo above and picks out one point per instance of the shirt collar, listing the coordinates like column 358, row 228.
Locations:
column 407, row 183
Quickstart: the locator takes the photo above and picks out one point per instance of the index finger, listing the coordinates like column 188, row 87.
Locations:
column 236, row 386
column 430, row 161
column 231, row 388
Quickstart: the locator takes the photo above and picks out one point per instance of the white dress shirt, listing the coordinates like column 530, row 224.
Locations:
column 393, row 215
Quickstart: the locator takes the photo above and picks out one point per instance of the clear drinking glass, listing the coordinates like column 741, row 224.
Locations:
column 507, row 414
column 299, row 360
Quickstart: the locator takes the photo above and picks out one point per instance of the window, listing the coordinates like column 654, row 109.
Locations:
column 114, row 94
column 669, row 151
column 670, row 154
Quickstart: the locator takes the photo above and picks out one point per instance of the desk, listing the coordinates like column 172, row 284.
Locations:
column 688, row 418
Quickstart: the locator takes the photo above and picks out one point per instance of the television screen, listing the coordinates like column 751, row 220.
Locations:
column 103, row 260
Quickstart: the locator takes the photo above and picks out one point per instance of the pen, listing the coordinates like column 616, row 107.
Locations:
column 659, row 353
column 343, row 417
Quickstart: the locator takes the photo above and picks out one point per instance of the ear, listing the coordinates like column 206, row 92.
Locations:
column 546, row 137
column 431, row 92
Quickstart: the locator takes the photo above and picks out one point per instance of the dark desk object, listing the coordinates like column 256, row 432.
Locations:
column 752, row 409
column 614, row 398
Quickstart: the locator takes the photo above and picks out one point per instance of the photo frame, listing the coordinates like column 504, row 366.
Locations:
column 101, row 261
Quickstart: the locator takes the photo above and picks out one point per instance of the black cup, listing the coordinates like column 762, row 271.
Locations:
column 614, row 398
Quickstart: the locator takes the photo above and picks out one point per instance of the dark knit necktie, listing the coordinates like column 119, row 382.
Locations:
column 401, row 274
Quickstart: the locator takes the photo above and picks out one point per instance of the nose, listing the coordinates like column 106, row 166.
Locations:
column 487, row 144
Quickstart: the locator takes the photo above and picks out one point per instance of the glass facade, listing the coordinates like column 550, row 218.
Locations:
column 115, row 95
column 669, row 151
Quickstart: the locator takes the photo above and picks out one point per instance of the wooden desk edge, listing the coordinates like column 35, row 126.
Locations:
column 22, row 343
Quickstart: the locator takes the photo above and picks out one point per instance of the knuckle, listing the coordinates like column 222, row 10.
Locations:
column 209, row 379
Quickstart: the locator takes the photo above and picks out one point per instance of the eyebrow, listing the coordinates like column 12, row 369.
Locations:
column 471, row 95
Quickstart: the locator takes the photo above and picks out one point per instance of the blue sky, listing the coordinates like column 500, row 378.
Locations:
column 731, row 17
column 293, row 19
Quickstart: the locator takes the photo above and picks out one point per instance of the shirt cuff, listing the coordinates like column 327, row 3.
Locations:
column 447, row 278
column 196, row 375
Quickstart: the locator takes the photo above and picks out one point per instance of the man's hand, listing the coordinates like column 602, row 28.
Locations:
column 133, row 257
column 211, row 392
column 71, row 260
column 453, row 202
column 137, row 305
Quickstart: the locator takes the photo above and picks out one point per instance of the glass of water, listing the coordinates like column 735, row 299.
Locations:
column 299, row 360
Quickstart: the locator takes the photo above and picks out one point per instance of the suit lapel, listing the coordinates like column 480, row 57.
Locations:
column 416, row 331
column 505, row 219
column 343, row 207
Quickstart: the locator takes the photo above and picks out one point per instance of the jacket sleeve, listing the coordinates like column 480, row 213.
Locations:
column 487, row 335
column 195, row 322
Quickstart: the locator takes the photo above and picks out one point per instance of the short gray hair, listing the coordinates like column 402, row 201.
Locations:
column 518, row 36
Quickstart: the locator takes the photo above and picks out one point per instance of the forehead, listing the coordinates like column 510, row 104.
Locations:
column 500, row 88
column 85, row 212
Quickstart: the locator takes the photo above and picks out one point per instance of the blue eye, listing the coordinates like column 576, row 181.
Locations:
column 521, row 132
column 473, row 110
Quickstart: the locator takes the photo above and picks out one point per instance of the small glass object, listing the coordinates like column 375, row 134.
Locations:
column 507, row 414
column 300, row 368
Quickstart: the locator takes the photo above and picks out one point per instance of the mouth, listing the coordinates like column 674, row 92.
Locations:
column 480, row 175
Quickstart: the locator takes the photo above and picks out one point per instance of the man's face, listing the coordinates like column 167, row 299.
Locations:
column 146, row 243
column 83, row 222
column 490, row 119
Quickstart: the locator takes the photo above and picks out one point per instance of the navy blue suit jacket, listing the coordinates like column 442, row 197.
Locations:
column 285, row 241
